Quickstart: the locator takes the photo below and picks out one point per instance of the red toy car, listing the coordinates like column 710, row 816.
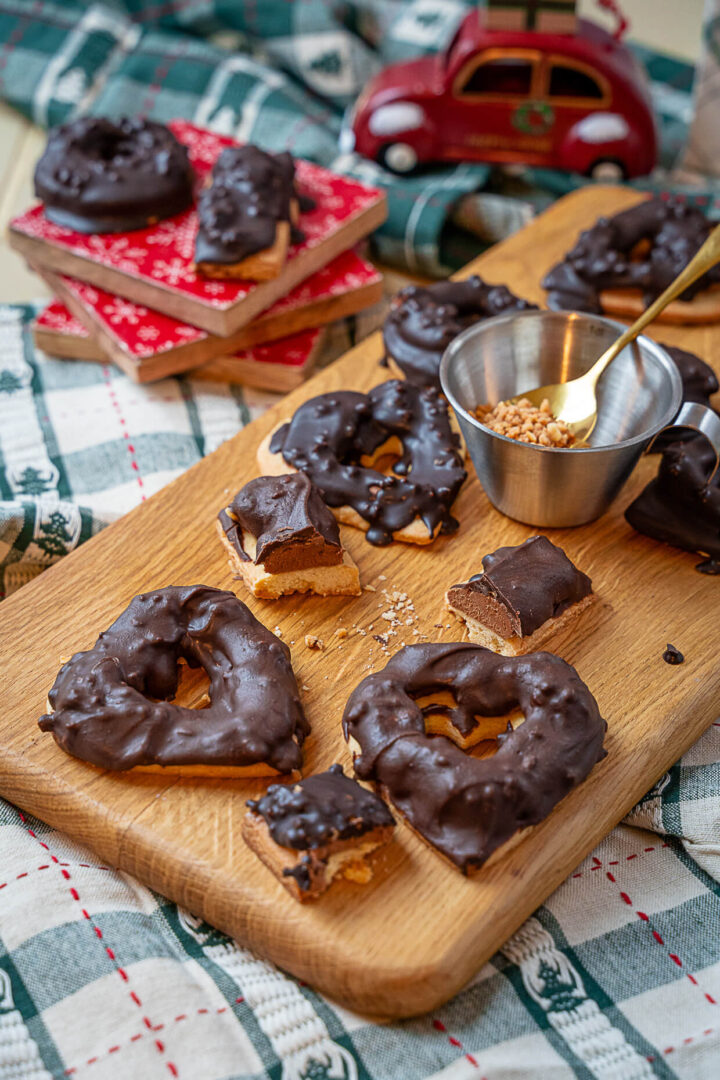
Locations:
column 567, row 101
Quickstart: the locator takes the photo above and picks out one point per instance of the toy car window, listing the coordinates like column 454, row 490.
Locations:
column 572, row 83
column 504, row 75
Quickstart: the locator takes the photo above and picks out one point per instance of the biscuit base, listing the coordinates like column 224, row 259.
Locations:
column 703, row 308
column 343, row 579
column 260, row 266
column 275, row 465
column 339, row 859
column 518, row 646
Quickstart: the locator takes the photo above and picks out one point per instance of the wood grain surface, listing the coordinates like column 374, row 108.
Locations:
column 419, row 931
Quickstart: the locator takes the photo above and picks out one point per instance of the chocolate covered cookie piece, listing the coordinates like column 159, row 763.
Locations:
column 681, row 506
column 424, row 320
column 281, row 538
column 245, row 216
column 525, row 595
column 319, row 829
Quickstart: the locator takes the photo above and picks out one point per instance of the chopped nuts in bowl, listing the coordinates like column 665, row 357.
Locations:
column 523, row 421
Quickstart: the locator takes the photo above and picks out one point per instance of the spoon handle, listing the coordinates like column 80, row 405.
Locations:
column 707, row 256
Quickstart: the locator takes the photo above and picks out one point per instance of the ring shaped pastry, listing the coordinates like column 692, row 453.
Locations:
column 624, row 262
column 467, row 807
column 111, row 705
column 101, row 176
column 336, row 439
column 424, row 320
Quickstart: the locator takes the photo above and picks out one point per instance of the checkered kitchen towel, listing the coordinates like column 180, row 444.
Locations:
column 280, row 73
column 616, row 977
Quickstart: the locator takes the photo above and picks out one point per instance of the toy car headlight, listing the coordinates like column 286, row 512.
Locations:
column 396, row 118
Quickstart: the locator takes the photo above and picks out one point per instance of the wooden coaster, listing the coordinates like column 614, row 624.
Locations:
column 154, row 266
column 148, row 345
column 281, row 365
column 629, row 304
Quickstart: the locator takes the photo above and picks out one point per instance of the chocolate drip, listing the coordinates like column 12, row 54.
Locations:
column 328, row 436
column 673, row 655
column 534, row 582
column 424, row 320
column 301, row 872
column 680, row 506
column 289, row 520
column 111, row 704
column 605, row 256
column 250, row 193
column 699, row 382
column 319, row 809
column 467, row 807
column 101, row 176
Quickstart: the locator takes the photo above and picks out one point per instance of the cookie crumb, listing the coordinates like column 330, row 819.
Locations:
column 277, row 632
column 369, row 588
column 341, row 632
column 314, row 642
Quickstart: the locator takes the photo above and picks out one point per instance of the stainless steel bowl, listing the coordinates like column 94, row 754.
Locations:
column 638, row 396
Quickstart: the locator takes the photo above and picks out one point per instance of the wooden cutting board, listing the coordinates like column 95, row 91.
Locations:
column 419, row 931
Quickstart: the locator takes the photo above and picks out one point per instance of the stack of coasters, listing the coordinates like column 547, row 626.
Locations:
column 279, row 365
column 132, row 292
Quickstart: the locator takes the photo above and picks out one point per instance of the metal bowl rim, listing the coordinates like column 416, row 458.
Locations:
column 512, row 316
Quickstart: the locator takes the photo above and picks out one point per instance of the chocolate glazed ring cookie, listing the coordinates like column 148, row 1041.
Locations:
column 624, row 262
column 111, row 705
column 423, row 321
column 337, row 438
column 99, row 176
column 467, row 807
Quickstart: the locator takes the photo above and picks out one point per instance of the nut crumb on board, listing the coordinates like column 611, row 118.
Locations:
column 314, row 642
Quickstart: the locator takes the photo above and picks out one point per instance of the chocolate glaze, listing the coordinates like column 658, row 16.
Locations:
column 424, row 320
column 679, row 506
column 699, row 382
column 289, row 520
column 98, row 176
column 602, row 258
column 111, row 703
column 320, row 809
column 465, row 806
column 534, row 581
column 251, row 191
column 673, row 655
column 301, row 872
column 329, row 434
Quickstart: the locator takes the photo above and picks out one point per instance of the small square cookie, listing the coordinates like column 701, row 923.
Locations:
column 319, row 829
column 281, row 538
column 247, row 214
column 524, row 596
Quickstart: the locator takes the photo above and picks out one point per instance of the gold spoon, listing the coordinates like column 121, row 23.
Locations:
column 575, row 402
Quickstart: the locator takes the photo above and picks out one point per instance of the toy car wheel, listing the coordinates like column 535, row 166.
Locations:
column 399, row 158
column 609, row 170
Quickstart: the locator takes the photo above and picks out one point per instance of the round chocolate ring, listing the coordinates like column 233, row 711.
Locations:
column 336, row 439
column 101, row 176
column 111, row 705
column 463, row 806
column 423, row 321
